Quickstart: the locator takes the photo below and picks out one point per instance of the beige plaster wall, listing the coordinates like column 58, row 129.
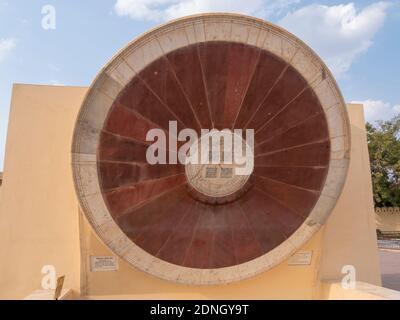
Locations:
column 41, row 223
column 350, row 233
column 38, row 208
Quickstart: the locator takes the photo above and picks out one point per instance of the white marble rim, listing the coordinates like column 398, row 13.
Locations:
column 135, row 57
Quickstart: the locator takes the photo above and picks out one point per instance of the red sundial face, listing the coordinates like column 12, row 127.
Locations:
column 208, row 224
column 215, row 85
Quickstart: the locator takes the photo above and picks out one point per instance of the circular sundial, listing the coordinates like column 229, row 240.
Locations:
column 211, row 223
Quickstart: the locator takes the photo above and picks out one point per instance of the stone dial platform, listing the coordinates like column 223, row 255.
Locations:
column 211, row 71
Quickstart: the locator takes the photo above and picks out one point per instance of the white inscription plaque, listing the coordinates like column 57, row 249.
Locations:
column 103, row 264
column 301, row 258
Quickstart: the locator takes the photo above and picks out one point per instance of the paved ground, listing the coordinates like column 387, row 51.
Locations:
column 390, row 268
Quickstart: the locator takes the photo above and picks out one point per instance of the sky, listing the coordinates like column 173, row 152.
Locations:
column 63, row 42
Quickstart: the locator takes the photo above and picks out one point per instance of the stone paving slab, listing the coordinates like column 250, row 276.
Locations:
column 390, row 268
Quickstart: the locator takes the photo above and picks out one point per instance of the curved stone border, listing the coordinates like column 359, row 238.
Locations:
column 152, row 45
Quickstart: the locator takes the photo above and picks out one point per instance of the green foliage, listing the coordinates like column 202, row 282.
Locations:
column 384, row 152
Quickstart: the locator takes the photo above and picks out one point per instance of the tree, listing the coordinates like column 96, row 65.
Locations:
column 384, row 152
